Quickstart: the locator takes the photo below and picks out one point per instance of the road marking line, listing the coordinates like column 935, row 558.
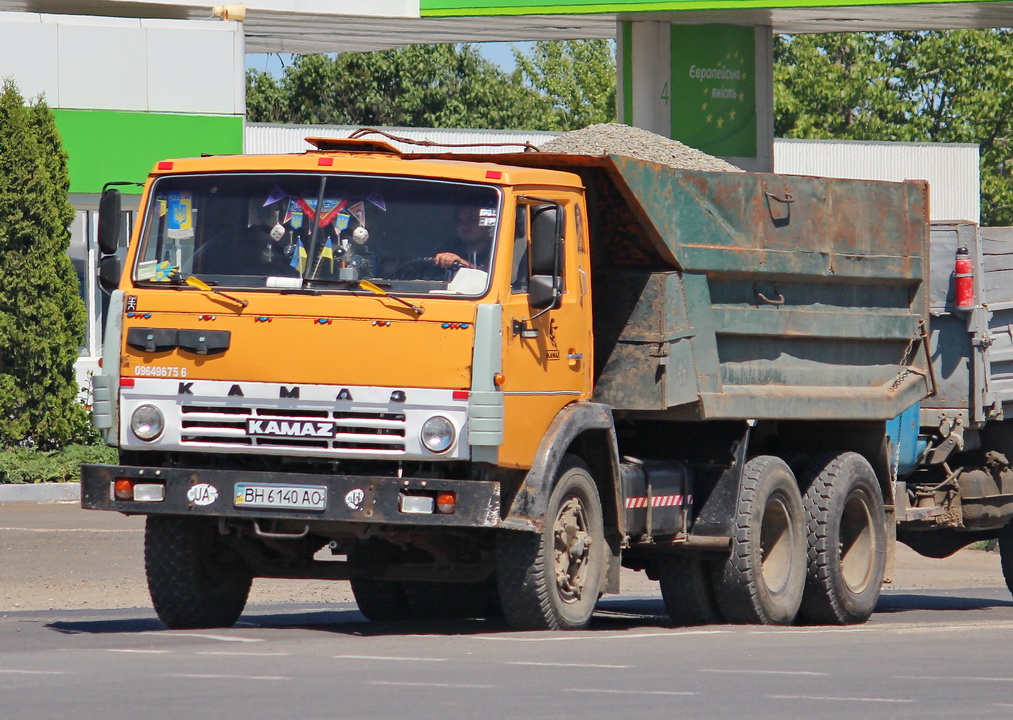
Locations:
column 603, row 691
column 899, row 627
column 762, row 672
column 599, row 636
column 954, row 677
column 400, row 683
column 205, row 676
column 843, row 699
column 68, row 530
column 205, row 636
column 243, row 654
column 142, row 652
column 32, row 672
column 570, row 665
column 389, row 657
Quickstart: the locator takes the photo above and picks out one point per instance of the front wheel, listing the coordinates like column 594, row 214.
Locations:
column 551, row 580
column 195, row 580
column 762, row 580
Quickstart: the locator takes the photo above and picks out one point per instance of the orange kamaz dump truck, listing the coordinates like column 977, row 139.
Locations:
column 483, row 384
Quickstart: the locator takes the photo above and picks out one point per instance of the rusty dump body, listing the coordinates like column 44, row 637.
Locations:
column 747, row 295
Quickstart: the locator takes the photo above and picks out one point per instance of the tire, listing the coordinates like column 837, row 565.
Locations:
column 688, row 590
column 762, row 580
column 551, row 580
column 1006, row 554
column 381, row 600
column 846, row 541
column 195, row 580
column 451, row 600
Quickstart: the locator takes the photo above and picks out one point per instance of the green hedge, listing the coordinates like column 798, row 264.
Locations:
column 29, row 465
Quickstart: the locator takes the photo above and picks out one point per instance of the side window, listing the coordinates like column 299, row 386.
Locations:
column 534, row 222
column 521, row 268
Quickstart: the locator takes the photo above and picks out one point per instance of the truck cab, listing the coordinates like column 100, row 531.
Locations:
column 347, row 348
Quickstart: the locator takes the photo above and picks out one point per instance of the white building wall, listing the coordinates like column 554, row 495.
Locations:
column 951, row 169
column 99, row 63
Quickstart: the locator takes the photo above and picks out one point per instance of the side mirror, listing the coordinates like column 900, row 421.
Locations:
column 544, row 292
column 109, row 271
column 546, row 237
column 110, row 222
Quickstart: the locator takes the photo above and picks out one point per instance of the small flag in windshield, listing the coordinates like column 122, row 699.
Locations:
column 299, row 258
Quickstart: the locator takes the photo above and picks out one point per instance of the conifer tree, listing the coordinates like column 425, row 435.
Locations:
column 42, row 317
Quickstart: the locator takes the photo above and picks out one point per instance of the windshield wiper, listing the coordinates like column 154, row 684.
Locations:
column 204, row 287
column 372, row 287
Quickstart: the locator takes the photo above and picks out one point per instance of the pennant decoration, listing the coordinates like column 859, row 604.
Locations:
column 331, row 210
column 308, row 207
column 180, row 216
column 275, row 195
column 341, row 222
column 377, row 199
column 294, row 214
column 358, row 211
column 299, row 258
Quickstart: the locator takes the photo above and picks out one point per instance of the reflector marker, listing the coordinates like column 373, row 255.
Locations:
column 657, row 501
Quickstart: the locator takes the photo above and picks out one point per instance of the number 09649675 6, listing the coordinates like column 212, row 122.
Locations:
column 165, row 371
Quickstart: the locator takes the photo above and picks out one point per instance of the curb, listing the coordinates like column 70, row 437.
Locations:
column 41, row 493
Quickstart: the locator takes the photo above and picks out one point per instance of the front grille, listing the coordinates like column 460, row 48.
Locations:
column 363, row 431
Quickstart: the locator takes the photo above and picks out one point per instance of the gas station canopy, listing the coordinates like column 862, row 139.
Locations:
column 313, row 26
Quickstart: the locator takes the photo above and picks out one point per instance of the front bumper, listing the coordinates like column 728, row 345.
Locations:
column 350, row 498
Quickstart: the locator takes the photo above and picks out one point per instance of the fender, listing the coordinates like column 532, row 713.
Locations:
column 527, row 511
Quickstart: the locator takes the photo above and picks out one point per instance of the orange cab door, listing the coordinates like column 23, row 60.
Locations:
column 547, row 353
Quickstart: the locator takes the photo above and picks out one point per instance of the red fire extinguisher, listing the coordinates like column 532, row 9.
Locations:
column 964, row 280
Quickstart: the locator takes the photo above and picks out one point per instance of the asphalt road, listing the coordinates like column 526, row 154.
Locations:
column 925, row 653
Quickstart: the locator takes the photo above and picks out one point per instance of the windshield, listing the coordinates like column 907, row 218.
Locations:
column 247, row 231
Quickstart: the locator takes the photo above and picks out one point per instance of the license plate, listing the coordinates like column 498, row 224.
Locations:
column 288, row 497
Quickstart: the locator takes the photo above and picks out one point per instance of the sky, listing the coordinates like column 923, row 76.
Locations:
column 498, row 52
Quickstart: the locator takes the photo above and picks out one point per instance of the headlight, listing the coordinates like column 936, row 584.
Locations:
column 147, row 422
column 437, row 434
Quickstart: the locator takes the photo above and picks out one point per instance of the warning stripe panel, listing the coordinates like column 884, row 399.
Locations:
column 635, row 503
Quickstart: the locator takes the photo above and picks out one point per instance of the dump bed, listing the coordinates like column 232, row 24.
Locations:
column 746, row 295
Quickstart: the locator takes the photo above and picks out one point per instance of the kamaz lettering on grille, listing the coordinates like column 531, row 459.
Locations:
column 291, row 428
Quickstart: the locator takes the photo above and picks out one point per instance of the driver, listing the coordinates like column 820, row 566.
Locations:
column 473, row 247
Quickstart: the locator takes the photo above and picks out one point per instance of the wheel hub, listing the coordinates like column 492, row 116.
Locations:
column 572, row 549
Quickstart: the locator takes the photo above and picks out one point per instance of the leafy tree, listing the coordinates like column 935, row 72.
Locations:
column 904, row 86
column 42, row 318
column 578, row 77
column 417, row 85
column 265, row 99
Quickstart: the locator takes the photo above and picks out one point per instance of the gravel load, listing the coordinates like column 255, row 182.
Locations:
column 636, row 143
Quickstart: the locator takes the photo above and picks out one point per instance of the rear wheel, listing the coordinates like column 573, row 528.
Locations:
column 1006, row 554
column 763, row 578
column 381, row 600
column 846, row 538
column 688, row 590
column 195, row 580
column 551, row 580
